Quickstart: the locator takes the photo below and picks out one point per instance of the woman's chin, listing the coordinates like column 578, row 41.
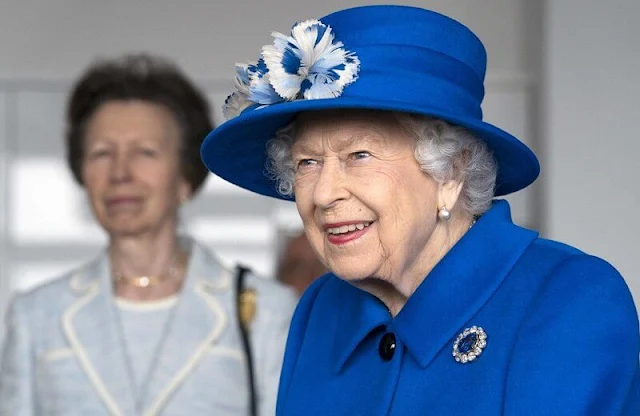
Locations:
column 125, row 230
column 351, row 275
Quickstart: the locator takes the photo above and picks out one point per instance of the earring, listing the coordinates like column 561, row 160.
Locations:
column 444, row 214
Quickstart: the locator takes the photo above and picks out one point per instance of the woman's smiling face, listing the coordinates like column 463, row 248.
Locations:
column 368, row 209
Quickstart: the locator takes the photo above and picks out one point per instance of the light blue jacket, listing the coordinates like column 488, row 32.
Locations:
column 63, row 353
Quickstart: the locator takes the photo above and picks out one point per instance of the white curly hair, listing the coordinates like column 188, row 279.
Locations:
column 444, row 152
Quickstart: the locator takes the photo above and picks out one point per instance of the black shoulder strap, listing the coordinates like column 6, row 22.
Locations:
column 241, row 272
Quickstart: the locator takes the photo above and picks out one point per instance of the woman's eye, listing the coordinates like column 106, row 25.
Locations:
column 306, row 162
column 148, row 152
column 362, row 154
column 97, row 154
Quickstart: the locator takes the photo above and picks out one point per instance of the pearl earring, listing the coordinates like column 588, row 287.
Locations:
column 444, row 214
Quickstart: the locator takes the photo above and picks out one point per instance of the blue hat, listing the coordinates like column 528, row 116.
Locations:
column 395, row 58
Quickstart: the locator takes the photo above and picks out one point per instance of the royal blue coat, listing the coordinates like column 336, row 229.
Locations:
column 561, row 336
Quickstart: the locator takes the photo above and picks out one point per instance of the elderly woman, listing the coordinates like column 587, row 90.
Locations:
column 437, row 303
column 152, row 325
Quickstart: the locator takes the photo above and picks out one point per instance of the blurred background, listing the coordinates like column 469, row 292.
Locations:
column 562, row 76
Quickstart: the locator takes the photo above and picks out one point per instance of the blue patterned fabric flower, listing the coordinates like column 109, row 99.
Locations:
column 261, row 90
column 309, row 64
column 252, row 87
column 238, row 100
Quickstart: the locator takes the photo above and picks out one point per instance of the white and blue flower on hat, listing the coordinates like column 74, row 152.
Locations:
column 239, row 99
column 252, row 82
column 309, row 64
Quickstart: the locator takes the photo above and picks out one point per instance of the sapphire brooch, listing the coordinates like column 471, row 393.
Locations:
column 469, row 344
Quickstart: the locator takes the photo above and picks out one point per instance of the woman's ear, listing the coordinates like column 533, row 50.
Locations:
column 449, row 193
column 184, row 192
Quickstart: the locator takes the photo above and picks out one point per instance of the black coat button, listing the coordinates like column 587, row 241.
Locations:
column 387, row 346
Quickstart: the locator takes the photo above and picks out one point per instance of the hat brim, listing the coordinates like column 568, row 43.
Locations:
column 236, row 151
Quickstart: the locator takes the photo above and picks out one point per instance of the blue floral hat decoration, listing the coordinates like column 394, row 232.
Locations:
column 390, row 58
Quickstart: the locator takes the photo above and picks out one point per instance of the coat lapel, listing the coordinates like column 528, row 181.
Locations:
column 198, row 322
column 461, row 284
column 448, row 298
column 89, row 325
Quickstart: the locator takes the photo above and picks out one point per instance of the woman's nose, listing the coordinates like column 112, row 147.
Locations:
column 120, row 167
column 330, row 186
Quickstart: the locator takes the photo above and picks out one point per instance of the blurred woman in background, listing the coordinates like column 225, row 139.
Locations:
column 151, row 325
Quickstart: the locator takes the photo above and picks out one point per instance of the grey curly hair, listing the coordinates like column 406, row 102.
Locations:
column 444, row 152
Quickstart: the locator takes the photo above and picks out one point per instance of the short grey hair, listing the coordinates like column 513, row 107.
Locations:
column 443, row 151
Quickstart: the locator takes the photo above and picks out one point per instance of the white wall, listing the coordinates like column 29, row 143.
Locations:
column 56, row 39
column 591, row 142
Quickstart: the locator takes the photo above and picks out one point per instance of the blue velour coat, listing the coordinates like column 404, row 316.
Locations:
column 562, row 336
